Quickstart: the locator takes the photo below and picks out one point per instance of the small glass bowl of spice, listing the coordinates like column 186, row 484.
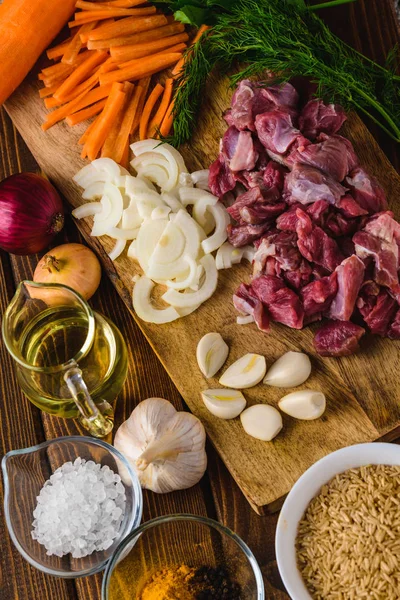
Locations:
column 69, row 502
column 183, row 557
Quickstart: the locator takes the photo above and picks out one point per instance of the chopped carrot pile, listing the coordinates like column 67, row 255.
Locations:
column 101, row 74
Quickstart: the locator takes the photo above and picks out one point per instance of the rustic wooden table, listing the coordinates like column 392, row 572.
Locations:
column 371, row 27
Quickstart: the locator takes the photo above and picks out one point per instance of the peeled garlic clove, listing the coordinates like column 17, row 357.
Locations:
column 166, row 447
column 245, row 372
column 225, row 404
column 261, row 421
column 304, row 404
column 290, row 370
column 211, row 353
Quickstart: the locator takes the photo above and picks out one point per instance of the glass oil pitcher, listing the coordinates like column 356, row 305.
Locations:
column 70, row 360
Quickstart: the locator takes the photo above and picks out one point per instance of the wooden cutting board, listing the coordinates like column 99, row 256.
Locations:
column 362, row 390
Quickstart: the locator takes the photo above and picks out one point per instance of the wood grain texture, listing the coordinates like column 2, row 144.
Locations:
column 357, row 410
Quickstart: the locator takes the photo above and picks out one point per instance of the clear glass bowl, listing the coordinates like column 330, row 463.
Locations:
column 25, row 472
column 180, row 540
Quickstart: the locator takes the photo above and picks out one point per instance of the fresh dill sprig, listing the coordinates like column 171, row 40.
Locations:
column 284, row 38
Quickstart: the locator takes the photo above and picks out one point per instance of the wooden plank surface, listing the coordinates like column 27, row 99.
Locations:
column 356, row 411
column 370, row 26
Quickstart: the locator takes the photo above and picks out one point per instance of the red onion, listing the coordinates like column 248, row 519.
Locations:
column 31, row 213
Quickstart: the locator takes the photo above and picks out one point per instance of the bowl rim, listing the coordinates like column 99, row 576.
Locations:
column 133, row 522
column 359, row 455
column 183, row 517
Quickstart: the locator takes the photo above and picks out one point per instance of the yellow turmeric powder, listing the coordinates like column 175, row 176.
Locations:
column 170, row 584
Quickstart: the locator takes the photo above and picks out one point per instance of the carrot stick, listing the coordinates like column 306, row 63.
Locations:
column 90, row 97
column 167, row 121
column 147, row 66
column 127, row 26
column 156, row 121
column 124, row 161
column 104, row 122
column 137, row 38
column 178, row 67
column 86, row 85
column 48, row 91
column 144, row 85
column 85, row 6
column 85, row 136
column 58, row 51
column 85, row 36
column 122, row 139
column 111, row 3
column 60, row 113
column 147, row 110
column 122, row 3
column 125, row 53
column 74, row 47
column 101, row 15
column 176, row 48
column 86, row 113
column 55, row 70
column 80, row 73
column 108, row 146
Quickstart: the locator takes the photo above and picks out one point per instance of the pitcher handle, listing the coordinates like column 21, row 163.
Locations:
column 97, row 423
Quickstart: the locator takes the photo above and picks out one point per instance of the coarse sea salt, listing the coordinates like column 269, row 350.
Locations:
column 79, row 509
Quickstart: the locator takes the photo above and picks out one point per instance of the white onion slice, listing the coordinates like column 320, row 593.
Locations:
column 94, row 190
column 191, row 231
column 107, row 165
column 200, row 179
column 131, row 218
column 189, row 280
column 201, row 200
column 89, row 175
column 156, row 169
column 143, row 307
column 133, row 185
column 118, row 249
column 111, row 214
column 87, row 210
column 207, row 289
column 164, row 151
column 222, row 220
column 160, row 212
column 246, row 320
column 132, row 250
column 172, row 202
column 170, row 246
column 185, row 179
column 149, row 234
column 123, row 234
column 120, row 181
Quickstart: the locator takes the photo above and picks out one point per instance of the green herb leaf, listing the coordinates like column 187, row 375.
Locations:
column 191, row 15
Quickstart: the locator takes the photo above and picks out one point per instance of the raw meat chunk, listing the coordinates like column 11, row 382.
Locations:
column 241, row 235
column 306, row 184
column 284, row 306
column 247, row 303
column 394, row 330
column 238, row 148
column 381, row 314
column 276, row 131
column 317, row 117
column 350, row 275
column 315, row 245
column 220, row 178
column 317, row 296
column 338, row 338
column 366, row 190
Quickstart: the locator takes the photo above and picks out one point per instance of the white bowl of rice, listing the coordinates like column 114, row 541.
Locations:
column 338, row 533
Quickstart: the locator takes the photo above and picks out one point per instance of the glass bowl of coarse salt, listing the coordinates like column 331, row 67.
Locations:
column 338, row 533
column 69, row 502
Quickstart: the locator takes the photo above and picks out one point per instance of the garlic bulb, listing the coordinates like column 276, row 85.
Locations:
column 245, row 372
column 211, row 353
column 261, row 421
column 290, row 370
column 303, row 404
column 223, row 403
column 165, row 447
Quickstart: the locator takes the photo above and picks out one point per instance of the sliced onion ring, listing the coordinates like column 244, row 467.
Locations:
column 143, row 306
column 206, row 290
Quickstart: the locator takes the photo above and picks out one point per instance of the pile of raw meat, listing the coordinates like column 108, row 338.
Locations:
column 326, row 244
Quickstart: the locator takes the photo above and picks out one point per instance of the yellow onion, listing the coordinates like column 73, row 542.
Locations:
column 73, row 265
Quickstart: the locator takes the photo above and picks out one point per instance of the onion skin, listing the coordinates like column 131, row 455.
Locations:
column 31, row 213
column 74, row 265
